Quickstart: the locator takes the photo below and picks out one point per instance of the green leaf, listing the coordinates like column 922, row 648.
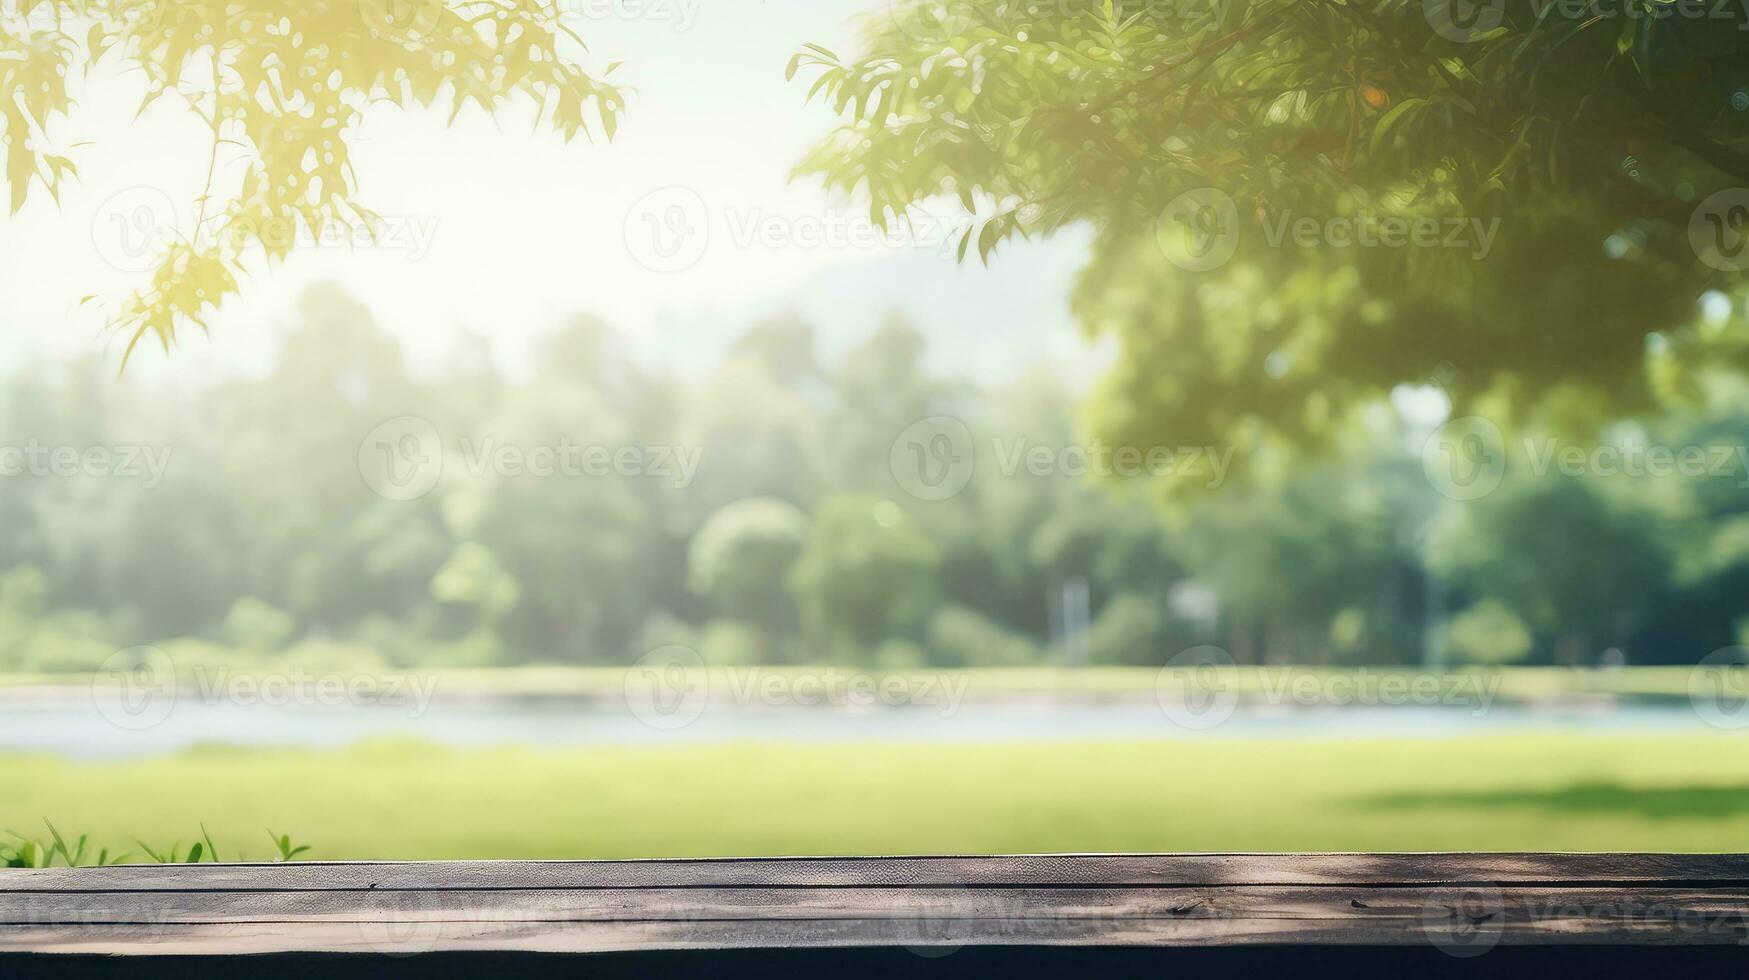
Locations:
column 1233, row 15
column 988, row 238
column 1382, row 129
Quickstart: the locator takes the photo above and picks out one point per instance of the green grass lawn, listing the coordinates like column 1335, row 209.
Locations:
column 1521, row 792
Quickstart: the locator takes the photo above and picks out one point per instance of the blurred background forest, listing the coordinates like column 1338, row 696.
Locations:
column 795, row 541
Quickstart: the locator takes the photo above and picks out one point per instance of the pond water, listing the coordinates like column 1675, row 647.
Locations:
column 75, row 727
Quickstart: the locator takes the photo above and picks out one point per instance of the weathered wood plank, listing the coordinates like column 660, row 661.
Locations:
column 1055, row 869
column 1461, row 902
column 1359, row 903
column 232, row 939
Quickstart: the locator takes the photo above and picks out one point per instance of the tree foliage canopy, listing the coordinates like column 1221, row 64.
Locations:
column 283, row 87
column 1589, row 131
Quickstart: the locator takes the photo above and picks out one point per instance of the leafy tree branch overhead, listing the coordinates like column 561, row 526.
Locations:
column 1586, row 133
column 284, row 88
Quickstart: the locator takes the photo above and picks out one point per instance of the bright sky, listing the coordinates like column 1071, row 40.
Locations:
column 509, row 233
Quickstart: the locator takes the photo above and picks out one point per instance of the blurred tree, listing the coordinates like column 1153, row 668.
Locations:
column 293, row 436
column 881, row 388
column 474, row 577
column 1128, row 630
column 574, row 549
column 283, row 89
column 377, row 560
column 866, row 575
column 740, row 559
column 23, row 595
column 757, row 435
column 1590, row 131
column 257, row 625
column 784, row 347
column 1486, row 633
column 477, row 585
column 1566, row 559
column 961, row 637
column 1285, row 556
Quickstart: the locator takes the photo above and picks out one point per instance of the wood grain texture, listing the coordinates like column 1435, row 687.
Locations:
column 1463, row 903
